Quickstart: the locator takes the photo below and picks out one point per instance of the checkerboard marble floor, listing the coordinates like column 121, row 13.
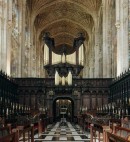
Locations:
column 63, row 132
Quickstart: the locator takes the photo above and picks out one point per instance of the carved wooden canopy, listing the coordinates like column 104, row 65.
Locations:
column 64, row 19
column 63, row 69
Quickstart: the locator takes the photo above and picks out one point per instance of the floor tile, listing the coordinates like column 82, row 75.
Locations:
column 63, row 132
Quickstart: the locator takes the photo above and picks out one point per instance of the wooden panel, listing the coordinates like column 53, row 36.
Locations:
column 99, row 99
column 27, row 100
column 21, row 99
column 90, row 91
column 93, row 102
column 33, row 101
column 105, row 99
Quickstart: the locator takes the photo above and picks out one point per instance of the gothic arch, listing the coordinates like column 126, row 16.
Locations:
column 63, row 97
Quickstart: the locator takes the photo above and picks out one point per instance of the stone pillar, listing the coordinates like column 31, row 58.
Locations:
column 106, row 40
column 96, row 48
column 9, row 29
column 20, row 31
column 129, row 30
column 91, row 64
column 1, row 18
column 100, row 30
column 122, row 35
column 124, row 25
column 30, row 45
column 114, row 40
column 34, row 53
column 5, row 40
column 17, row 37
column 4, row 36
column 37, row 60
column 105, row 51
column 119, row 56
column 90, row 69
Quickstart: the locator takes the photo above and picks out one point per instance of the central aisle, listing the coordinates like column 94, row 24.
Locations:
column 64, row 131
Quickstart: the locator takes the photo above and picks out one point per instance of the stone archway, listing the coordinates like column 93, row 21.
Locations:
column 63, row 105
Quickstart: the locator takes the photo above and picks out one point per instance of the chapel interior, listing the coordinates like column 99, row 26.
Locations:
column 65, row 70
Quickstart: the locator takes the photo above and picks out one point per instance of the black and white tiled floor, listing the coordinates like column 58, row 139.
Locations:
column 63, row 132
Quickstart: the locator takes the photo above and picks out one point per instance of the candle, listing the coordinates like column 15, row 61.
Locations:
column 126, row 99
column 126, row 111
column 119, row 112
column 7, row 111
column 129, row 100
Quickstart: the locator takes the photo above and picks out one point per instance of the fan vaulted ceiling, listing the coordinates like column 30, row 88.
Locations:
column 64, row 19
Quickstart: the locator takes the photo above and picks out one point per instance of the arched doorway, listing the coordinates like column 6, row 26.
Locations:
column 63, row 107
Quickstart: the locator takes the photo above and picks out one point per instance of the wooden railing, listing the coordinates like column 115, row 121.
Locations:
column 107, row 134
column 26, row 133
column 41, row 126
column 8, row 135
column 13, row 137
column 5, row 130
column 114, row 138
column 121, row 132
column 22, row 133
column 98, row 133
